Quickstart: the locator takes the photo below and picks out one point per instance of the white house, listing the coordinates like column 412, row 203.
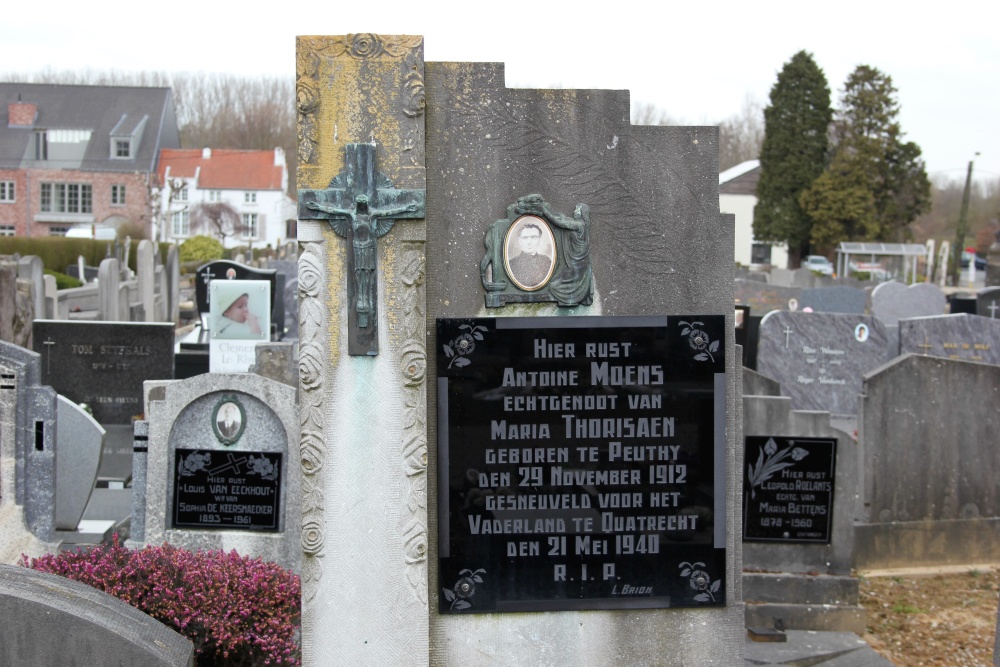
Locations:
column 236, row 196
column 737, row 195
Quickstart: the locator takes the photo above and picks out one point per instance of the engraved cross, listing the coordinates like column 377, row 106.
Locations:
column 361, row 205
column 788, row 332
column 993, row 309
column 48, row 342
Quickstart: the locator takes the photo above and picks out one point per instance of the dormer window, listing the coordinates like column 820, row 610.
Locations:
column 123, row 148
column 125, row 137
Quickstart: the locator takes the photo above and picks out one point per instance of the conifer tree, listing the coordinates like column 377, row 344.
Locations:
column 870, row 154
column 793, row 154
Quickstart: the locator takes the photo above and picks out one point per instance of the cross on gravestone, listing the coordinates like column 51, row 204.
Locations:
column 361, row 204
column 48, row 357
column 232, row 464
column 993, row 309
column 788, row 332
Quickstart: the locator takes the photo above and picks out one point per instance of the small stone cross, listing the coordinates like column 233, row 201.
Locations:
column 788, row 332
column 232, row 464
column 993, row 309
column 361, row 205
column 48, row 353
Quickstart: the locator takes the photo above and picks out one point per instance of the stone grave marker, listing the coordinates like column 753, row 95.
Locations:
column 930, row 464
column 836, row 299
column 27, row 453
column 641, row 235
column 289, row 268
column 819, row 358
column 31, row 269
column 800, row 488
column 103, row 365
column 763, row 298
column 988, row 302
column 964, row 337
column 962, row 302
column 220, row 469
column 892, row 301
column 79, row 443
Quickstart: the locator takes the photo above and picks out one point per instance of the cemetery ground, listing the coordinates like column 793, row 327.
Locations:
column 932, row 617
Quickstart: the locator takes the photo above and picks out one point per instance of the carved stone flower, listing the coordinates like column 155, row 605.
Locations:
column 311, row 453
column 365, row 45
column 312, row 537
column 310, row 275
column 415, row 549
column 414, row 365
column 306, row 98
column 310, row 365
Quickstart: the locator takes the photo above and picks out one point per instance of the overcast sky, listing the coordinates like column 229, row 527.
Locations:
column 696, row 61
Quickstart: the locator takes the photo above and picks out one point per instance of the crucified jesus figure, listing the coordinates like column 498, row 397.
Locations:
column 367, row 225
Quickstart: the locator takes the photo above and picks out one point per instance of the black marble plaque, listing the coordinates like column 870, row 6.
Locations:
column 227, row 490
column 581, row 463
column 788, row 489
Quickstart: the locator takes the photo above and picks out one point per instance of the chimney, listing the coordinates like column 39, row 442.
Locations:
column 279, row 156
column 21, row 114
column 206, row 153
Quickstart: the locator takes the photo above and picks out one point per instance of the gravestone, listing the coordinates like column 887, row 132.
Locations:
column 893, row 301
column 647, row 210
column 964, row 337
column 962, row 302
column 819, row 358
column 103, row 365
column 53, row 620
column 289, row 269
column 146, row 273
column 988, row 302
column 27, row 454
column 32, row 270
column 80, row 442
column 763, row 298
column 836, row 299
column 800, row 489
column 929, row 464
column 219, row 470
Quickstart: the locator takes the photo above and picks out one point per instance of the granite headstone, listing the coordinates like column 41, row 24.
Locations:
column 965, row 337
column 836, row 299
column 893, row 300
column 819, row 358
column 988, row 303
column 763, row 298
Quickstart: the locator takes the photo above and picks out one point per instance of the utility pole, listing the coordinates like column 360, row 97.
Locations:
column 963, row 227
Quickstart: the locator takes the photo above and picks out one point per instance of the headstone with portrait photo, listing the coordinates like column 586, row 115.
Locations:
column 219, row 470
column 240, row 318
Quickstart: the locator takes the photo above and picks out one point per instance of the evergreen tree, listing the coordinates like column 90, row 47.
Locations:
column 793, row 154
column 870, row 154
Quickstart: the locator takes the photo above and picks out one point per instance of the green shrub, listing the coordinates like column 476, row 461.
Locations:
column 201, row 249
column 63, row 281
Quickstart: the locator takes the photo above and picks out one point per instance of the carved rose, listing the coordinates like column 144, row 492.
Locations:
column 306, row 98
column 415, row 549
column 415, row 456
column 311, row 453
column 310, row 365
column 310, row 275
column 365, row 45
column 413, row 95
column 414, row 365
column 312, row 537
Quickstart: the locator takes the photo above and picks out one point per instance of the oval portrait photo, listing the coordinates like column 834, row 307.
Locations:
column 529, row 253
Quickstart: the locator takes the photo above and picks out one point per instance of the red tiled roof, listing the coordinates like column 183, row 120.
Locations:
column 226, row 169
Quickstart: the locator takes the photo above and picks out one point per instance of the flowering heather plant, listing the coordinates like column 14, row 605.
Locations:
column 236, row 610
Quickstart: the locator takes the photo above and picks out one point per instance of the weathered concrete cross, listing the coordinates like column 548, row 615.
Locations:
column 361, row 204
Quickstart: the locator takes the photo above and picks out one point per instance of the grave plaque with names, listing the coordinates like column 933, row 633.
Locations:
column 788, row 489
column 582, row 463
column 222, row 490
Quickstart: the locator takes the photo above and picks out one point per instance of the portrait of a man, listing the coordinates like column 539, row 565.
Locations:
column 529, row 252
column 228, row 420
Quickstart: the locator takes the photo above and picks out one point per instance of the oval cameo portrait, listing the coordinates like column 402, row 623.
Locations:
column 529, row 253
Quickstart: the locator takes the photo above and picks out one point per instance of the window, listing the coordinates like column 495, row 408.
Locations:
column 6, row 230
column 182, row 194
column 760, row 253
column 181, row 223
column 117, row 195
column 41, row 145
column 7, row 191
column 67, row 198
column 249, row 226
column 123, row 148
column 214, row 195
column 249, row 197
column 58, row 230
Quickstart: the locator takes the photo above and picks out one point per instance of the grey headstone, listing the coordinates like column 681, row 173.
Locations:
column 104, row 364
column 276, row 361
column 32, row 269
column 52, row 620
column 819, row 358
column 964, row 337
column 183, row 418
column 146, row 274
column 930, row 462
column 755, row 384
column 79, row 441
column 892, row 301
column 109, row 280
column 763, row 298
column 27, row 439
column 172, row 272
column 290, row 295
column 838, row 299
column 988, row 303
column 51, row 297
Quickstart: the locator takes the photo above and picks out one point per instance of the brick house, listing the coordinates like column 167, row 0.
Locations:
column 237, row 196
column 75, row 155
